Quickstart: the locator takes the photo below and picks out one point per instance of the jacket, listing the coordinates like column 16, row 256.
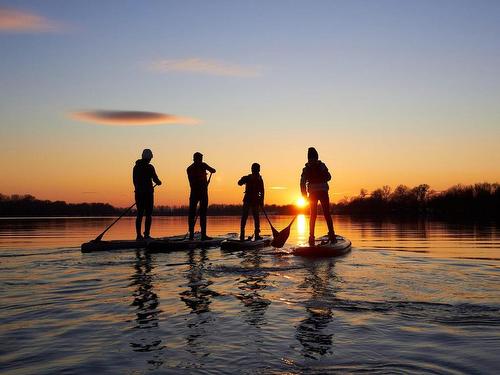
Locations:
column 315, row 177
column 197, row 175
column 254, row 188
column 143, row 176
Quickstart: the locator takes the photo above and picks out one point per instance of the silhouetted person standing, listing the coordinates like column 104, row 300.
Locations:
column 197, row 174
column 314, row 180
column 144, row 175
column 253, row 199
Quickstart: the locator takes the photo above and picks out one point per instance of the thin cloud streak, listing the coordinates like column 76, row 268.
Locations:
column 205, row 66
column 20, row 21
column 278, row 188
column 131, row 118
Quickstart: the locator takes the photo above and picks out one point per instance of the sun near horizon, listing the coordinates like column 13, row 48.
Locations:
column 301, row 202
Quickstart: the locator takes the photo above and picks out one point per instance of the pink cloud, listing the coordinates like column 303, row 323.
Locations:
column 205, row 66
column 131, row 118
column 20, row 21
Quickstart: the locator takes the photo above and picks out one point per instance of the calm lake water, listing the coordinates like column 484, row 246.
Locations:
column 412, row 297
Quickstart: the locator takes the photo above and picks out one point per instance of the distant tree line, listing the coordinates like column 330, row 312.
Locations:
column 228, row 210
column 478, row 200
column 28, row 205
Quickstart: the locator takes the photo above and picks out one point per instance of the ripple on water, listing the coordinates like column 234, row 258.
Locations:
column 410, row 298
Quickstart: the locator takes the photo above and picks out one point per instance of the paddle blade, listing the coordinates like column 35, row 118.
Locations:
column 275, row 232
column 279, row 238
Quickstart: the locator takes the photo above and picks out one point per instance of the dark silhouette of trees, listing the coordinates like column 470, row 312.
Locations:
column 28, row 205
column 478, row 200
column 229, row 210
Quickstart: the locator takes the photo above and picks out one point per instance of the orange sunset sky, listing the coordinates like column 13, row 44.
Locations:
column 389, row 93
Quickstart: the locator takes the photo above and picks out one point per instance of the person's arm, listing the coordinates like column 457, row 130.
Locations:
column 155, row 176
column 243, row 180
column 209, row 168
column 134, row 177
column 261, row 188
column 326, row 173
column 190, row 175
column 303, row 182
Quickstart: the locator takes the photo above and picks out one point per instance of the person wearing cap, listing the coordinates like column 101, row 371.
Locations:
column 314, row 181
column 197, row 175
column 144, row 175
column 253, row 199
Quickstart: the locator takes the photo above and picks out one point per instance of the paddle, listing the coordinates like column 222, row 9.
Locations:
column 99, row 237
column 198, row 211
column 279, row 238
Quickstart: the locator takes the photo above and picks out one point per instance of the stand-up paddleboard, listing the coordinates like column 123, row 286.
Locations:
column 168, row 244
column 94, row 245
column 236, row 244
column 325, row 248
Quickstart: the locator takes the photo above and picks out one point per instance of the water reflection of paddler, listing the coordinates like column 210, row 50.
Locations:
column 314, row 181
column 311, row 330
column 146, row 302
column 251, row 286
column 197, row 175
column 253, row 199
column 197, row 297
column 144, row 175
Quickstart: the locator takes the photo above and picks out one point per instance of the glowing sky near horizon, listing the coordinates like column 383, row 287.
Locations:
column 388, row 92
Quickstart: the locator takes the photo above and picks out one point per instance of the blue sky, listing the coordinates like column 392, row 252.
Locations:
column 389, row 91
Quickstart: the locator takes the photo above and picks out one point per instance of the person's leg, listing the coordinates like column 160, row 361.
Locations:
column 140, row 213
column 203, row 215
column 149, row 201
column 193, row 202
column 325, row 205
column 256, row 220
column 244, row 216
column 313, row 212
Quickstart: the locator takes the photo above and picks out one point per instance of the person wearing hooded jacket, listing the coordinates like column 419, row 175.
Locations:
column 314, row 181
column 144, row 175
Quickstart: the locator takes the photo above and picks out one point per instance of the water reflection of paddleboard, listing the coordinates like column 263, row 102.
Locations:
column 324, row 248
column 234, row 244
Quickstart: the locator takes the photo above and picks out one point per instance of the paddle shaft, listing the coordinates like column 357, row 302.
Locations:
column 99, row 237
column 265, row 214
